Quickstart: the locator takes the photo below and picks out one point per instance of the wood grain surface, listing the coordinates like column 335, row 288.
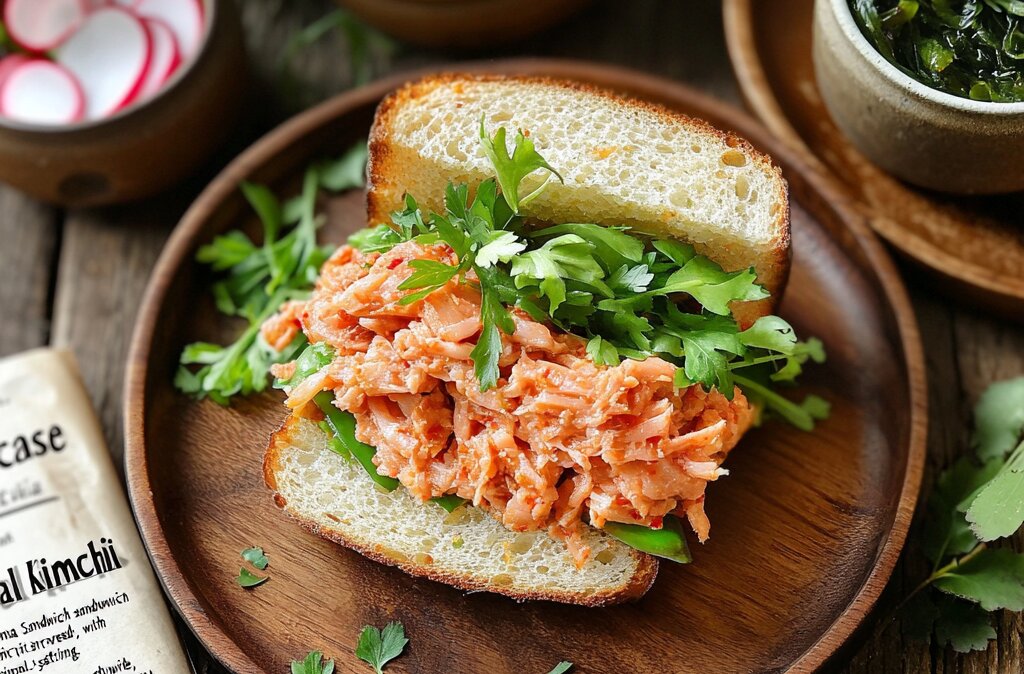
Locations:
column 965, row 348
column 818, row 544
column 973, row 246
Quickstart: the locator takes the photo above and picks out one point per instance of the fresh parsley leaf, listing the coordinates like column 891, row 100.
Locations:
column 427, row 276
column 378, row 239
column 677, row 251
column 248, row 579
column 612, row 245
column 714, row 288
column 602, row 352
column 378, row 647
column 501, row 246
column 999, row 419
column 313, row 664
column 487, row 352
column 964, row 626
column 256, row 557
column 994, row 579
column 631, row 279
column 772, row 333
column 707, row 358
column 561, row 668
column 511, row 170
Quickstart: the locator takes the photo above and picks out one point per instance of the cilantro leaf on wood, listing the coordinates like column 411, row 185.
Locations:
column 247, row 578
column 997, row 509
column 999, row 419
column 256, row 557
column 511, row 170
column 379, row 647
column 313, row 664
column 561, row 668
column 964, row 626
column 992, row 578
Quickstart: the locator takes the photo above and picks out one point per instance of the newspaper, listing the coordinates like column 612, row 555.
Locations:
column 77, row 593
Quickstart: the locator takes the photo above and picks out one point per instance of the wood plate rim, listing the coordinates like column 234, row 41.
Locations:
column 176, row 252
column 1006, row 296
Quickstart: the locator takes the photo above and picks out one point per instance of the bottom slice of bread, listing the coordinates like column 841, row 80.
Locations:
column 469, row 549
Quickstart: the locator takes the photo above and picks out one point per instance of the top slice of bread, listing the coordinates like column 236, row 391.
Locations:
column 335, row 498
column 625, row 162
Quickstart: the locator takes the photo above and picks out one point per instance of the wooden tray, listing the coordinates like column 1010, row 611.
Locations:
column 973, row 246
column 806, row 529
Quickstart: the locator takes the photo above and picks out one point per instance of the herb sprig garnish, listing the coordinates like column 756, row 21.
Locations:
column 617, row 288
column 379, row 647
column 260, row 278
column 973, row 48
column 975, row 502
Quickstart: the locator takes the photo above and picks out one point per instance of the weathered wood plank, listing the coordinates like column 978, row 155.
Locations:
column 28, row 238
column 105, row 262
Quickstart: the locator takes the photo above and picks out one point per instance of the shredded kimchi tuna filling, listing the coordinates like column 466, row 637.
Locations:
column 559, row 441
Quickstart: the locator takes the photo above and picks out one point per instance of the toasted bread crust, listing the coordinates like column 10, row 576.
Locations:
column 381, row 166
column 638, row 585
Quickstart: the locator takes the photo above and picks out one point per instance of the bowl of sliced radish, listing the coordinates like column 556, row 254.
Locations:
column 103, row 101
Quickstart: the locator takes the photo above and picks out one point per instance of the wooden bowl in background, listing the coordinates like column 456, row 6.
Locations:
column 146, row 147
column 462, row 24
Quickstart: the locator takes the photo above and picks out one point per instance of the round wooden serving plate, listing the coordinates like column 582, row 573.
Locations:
column 806, row 529
column 974, row 246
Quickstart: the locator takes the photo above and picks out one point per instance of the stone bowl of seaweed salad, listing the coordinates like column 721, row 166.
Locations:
column 932, row 91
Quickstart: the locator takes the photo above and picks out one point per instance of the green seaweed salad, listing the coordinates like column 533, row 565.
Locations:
column 970, row 48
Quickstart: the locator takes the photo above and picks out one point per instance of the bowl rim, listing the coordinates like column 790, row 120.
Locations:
column 848, row 26
column 210, row 17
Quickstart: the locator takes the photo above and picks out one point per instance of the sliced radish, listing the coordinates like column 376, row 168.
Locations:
column 40, row 25
column 109, row 55
column 165, row 57
column 41, row 92
column 185, row 18
column 9, row 63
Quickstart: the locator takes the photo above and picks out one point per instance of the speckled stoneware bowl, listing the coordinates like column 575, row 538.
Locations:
column 922, row 135
column 145, row 148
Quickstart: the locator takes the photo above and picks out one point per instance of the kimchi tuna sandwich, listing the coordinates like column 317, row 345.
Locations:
column 523, row 376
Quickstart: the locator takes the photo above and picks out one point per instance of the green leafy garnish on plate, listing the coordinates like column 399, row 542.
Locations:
column 248, row 579
column 259, row 278
column 379, row 647
column 256, row 557
column 313, row 664
column 561, row 668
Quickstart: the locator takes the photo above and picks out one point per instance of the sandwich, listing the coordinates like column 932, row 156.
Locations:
column 523, row 374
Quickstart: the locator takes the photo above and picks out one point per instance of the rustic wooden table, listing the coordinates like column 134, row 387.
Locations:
column 73, row 278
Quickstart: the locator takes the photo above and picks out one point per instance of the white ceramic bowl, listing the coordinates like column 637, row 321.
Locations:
column 922, row 135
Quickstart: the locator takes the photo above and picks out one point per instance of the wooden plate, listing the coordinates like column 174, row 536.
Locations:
column 806, row 529
column 974, row 246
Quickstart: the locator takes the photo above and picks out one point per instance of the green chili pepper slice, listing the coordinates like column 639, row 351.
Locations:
column 344, row 426
column 667, row 542
column 449, row 501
